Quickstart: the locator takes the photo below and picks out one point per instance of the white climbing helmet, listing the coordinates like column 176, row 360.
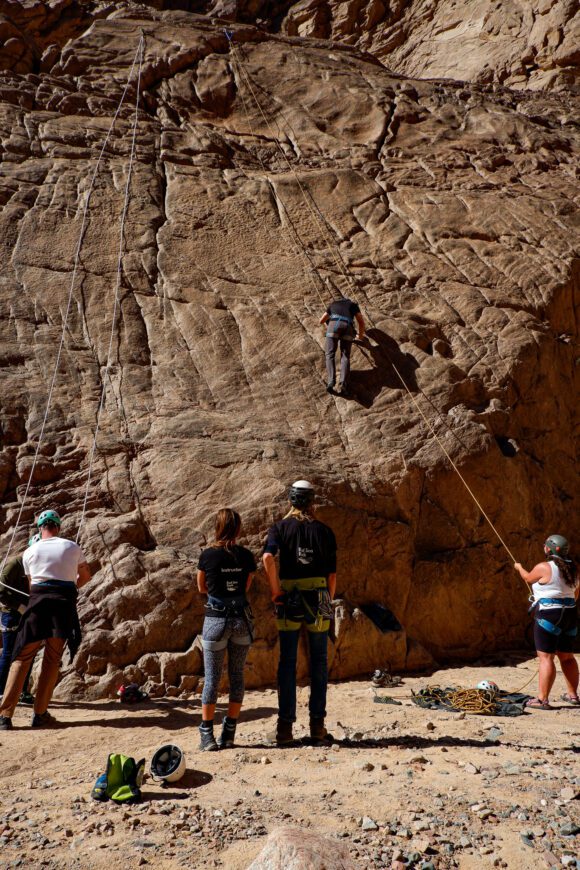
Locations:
column 301, row 494
column 488, row 686
column 168, row 763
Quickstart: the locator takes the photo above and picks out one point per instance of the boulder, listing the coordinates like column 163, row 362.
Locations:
column 301, row 849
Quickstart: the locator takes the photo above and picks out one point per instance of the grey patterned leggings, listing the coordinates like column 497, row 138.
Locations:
column 219, row 635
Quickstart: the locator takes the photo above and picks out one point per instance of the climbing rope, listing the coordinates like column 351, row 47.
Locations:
column 333, row 245
column 138, row 54
column 311, row 268
column 106, row 374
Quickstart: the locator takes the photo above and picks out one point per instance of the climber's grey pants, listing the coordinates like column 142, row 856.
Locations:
column 332, row 342
column 219, row 635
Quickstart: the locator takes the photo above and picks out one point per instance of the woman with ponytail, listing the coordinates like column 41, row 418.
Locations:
column 225, row 573
column 555, row 587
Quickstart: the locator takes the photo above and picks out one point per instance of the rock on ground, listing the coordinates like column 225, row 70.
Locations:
column 296, row 849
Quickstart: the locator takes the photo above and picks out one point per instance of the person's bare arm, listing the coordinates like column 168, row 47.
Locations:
column 249, row 581
column 540, row 574
column 332, row 584
column 271, row 570
column 201, row 584
column 361, row 325
column 83, row 575
column 324, row 318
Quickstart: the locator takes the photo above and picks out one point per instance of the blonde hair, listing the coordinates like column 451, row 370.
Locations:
column 296, row 513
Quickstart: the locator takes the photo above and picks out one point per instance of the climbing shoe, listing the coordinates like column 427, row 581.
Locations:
column 283, row 735
column 330, row 388
column 6, row 723
column 226, row 738
column 207, row 741
column 318, row 732
column 43, row 720
column 27, row 699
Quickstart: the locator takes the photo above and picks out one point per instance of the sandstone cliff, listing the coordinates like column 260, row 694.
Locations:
column 454, row 208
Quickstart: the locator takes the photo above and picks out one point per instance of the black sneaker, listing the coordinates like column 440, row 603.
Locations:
column 27, row 699
column 226, row 740
column 207, row 742
column 330, row 388
column 43, row 720
column 6, row 723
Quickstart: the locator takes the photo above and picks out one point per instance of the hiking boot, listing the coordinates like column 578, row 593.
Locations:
column 207, row 741
column 226, row 739
column 6, row 723
column 43, row 720
column 283, row 735
column 27, row 698
column 318, row 732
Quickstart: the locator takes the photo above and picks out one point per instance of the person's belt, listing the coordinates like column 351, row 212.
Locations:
column 340, row 317
column 51, row 584
column 559, row 602
column 304, row 584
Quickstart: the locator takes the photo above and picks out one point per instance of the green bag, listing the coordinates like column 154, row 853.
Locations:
column 122, row 780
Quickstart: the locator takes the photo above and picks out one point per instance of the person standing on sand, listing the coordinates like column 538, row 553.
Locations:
column 12, row 607
column 56, row 569
column 302, row 590
column 341, row 315
column 225, row 574
column 554, row 585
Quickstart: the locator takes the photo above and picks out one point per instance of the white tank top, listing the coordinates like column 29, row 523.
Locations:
column 556, row 588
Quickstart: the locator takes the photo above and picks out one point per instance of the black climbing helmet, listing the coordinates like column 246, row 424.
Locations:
column 557, row 545
column 301, row 494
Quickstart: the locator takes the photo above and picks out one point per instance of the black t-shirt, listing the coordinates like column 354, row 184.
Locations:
column 344, row 308
column 227, row 570
column 307, row 548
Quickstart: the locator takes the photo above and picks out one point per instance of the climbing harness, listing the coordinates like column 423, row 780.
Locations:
column 138, row 58
column 234, row 608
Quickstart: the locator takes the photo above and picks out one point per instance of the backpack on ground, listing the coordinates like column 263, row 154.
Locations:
column 121, row 782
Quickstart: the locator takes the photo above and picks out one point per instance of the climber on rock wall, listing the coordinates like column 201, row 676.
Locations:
column 56, row 569
column 340, row 317
column 302, row 590
column 555, row 587
column 225, row 573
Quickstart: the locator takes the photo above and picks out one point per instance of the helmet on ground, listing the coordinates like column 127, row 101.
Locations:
column 557, row 545
column 168, row 763
column 488, row 686
column 34, row 539
column 48, row 517
column 301, row 494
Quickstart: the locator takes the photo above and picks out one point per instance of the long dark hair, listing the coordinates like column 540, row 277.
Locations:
column 568, row 569
column 227, row 527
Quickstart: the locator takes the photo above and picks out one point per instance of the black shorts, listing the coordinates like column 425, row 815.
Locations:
column 566, row 618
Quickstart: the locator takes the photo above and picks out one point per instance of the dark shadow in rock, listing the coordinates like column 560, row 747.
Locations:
column 366, row 384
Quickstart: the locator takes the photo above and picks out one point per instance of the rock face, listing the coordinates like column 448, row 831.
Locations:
column 520, row 43
column 268, row 177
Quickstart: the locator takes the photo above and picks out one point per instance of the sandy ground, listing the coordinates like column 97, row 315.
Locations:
column 430, row 786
